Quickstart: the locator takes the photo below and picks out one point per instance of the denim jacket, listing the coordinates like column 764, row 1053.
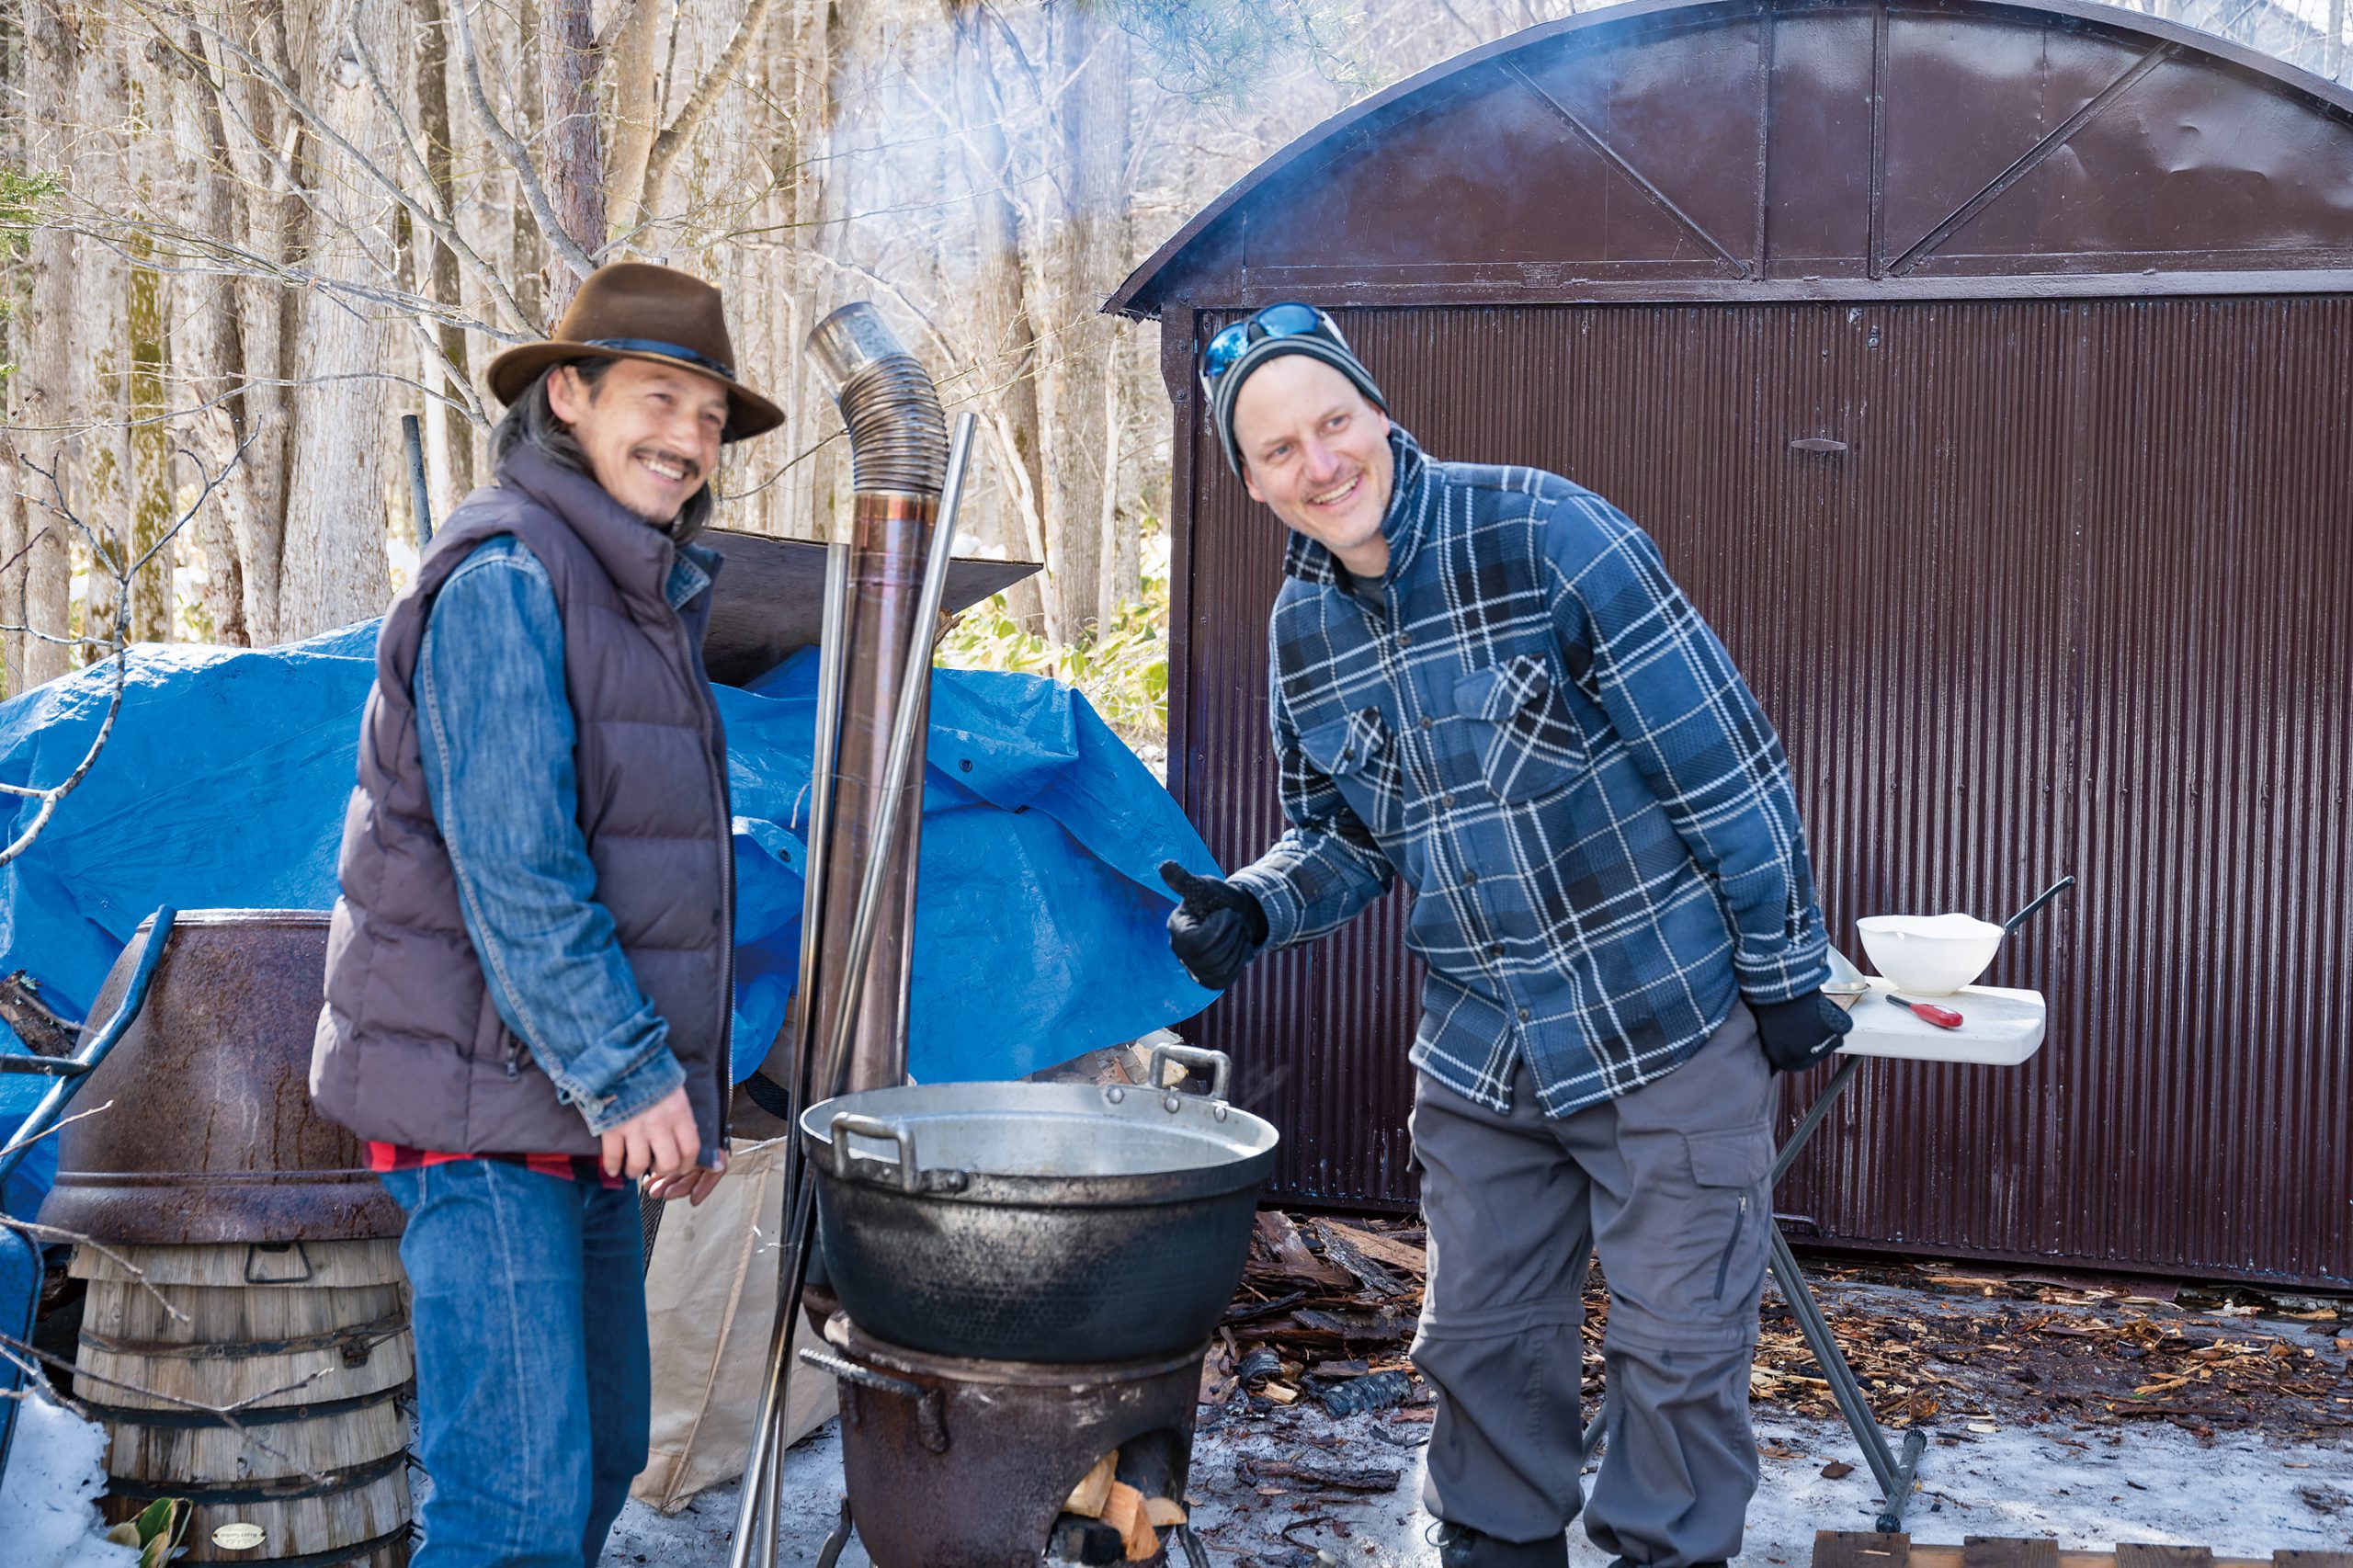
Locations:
column 1527, row 717
column 496, row 729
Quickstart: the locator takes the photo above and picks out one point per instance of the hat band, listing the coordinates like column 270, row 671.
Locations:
column 667, row 351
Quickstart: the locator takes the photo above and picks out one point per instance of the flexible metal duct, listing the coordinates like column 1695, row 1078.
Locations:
column 899, row 460
column 898, row 433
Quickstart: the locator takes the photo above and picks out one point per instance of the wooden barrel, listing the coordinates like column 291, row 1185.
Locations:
column 305, row 1345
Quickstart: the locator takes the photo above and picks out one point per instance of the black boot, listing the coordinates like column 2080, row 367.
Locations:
column 1461, row 1547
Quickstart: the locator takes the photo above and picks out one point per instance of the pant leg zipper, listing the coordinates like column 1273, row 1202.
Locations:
column 1724, row 1263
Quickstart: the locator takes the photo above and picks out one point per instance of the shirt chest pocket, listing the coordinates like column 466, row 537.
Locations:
column 1358, row 753
column 1529, row 739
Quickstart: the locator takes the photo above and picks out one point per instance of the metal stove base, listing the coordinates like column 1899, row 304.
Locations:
column 957, row 1463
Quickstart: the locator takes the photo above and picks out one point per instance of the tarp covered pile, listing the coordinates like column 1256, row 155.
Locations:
column 1038, row 915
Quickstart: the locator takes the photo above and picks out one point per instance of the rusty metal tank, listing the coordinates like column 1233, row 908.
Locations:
column 209, row 1135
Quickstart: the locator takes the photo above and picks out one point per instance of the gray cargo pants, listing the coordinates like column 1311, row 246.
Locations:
column 1669, row 1183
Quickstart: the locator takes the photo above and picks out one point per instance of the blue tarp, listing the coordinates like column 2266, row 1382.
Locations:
column 1039, row 926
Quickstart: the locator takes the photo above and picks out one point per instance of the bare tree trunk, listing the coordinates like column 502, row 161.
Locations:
column 799, row 72
column 1088, row 247
column 1007, row 340
column 451, row 437
column 1122, row 550
column 149, row 327
column 574, row 173
column 637, row 112
column 100, row 439
column 263, row 206
column 844, row 24
column 532, row 291
column 13, row 519
column 671, row 142
column 40, row 389
column 334, row 570
column 15, row 149
column 208, row 342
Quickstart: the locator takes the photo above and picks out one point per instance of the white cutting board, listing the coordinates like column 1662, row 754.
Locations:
column 2000, row 1027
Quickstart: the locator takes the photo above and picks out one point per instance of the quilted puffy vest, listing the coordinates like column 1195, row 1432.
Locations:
column 411, row 1048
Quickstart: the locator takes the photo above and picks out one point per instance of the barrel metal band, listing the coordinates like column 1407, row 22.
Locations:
column 264, row 1415
column 330, row 1482
column 332, row 1556
column 358, row 1337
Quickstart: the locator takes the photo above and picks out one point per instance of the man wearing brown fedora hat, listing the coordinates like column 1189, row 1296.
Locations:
column 529, row 973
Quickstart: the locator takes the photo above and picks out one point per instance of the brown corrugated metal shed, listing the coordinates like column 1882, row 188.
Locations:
column 2067, row 292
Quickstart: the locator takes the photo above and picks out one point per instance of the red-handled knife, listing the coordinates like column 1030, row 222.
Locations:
column 1943, row 1018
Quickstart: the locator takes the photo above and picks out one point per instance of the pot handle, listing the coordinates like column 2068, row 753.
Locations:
column 848, row 1124
column 1190, row 1056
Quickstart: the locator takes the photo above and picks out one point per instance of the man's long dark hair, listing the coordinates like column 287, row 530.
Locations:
column 531, row 422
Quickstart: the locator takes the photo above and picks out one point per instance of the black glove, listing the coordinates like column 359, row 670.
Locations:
column 1800, row 1032
column 1216, row 930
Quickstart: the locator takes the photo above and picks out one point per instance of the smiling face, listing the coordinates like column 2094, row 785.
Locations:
column 1315, row 450
column 651, row 434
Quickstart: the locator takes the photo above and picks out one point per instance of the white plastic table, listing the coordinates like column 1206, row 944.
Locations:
column 2000, row 1027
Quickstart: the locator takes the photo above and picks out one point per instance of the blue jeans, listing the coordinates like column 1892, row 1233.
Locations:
column 533, row 1382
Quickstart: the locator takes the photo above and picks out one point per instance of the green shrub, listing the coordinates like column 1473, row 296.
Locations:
column 1122, row 667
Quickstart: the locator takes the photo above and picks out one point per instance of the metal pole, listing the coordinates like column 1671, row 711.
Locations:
column 420, row 493
column 756, row 1505
column 1813, row 1115
column 763, row 1539
column 825, row 756
column 1841, row 1377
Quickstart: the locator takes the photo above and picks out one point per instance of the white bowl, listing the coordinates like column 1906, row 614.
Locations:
column 1929, row 955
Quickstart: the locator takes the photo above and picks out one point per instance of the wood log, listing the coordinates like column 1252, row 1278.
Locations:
column 1123, row 1509
column 1289, row 1255
column 1086, row 1499
column 1413, row 1259
column 1340, row 1246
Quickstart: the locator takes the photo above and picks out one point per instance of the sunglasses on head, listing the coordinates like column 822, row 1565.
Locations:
column 1288, row 320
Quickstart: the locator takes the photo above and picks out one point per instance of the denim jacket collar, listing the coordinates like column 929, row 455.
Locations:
column 690, row 575
column 1401, row 525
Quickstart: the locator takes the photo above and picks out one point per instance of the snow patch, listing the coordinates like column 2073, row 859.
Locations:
column 49, row 1515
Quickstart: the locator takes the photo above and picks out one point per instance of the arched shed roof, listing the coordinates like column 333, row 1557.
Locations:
column 1749, row 149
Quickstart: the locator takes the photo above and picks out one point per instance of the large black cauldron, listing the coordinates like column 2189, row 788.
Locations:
column 1057, row 1222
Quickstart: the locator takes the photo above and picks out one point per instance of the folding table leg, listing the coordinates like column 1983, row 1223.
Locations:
column 1893, row 1474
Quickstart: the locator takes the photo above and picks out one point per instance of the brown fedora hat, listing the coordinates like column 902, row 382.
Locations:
column 633, row 310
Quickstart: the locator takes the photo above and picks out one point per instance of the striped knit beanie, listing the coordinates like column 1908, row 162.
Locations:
column 1228, row 388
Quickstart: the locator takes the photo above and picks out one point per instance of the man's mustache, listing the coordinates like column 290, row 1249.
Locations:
column 693, row 468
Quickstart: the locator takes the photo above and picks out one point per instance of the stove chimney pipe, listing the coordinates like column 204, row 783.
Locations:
column 898, row 436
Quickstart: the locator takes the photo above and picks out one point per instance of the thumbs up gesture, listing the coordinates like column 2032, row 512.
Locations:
column 1216, row 929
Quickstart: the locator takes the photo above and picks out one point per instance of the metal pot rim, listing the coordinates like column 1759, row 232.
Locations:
column 1248, row 1141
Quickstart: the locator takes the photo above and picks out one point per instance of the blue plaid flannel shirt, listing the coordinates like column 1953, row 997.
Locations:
column 1527, row 717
